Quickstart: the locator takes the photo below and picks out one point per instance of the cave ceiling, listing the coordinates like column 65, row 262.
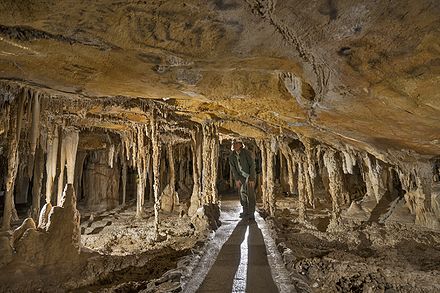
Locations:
column 365, row 73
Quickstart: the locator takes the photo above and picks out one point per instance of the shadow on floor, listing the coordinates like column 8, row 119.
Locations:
column 241, row 265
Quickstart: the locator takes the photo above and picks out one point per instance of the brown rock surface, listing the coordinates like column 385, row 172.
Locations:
column 362, row 73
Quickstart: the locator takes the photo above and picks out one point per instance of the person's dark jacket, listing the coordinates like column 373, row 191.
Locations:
column 247, row 164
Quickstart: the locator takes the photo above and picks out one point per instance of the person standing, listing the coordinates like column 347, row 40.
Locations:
column 243, row 171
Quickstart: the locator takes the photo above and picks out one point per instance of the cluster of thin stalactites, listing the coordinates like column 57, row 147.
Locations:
column 43, row 134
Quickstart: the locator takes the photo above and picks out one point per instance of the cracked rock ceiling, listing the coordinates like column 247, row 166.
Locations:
column 366, row 73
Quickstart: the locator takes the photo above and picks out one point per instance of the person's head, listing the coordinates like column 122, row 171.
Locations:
column 237, row 144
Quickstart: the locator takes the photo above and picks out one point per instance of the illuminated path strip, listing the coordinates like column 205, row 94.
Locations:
column 239, row 260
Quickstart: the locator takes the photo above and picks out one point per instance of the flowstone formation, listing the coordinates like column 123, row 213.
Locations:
column 129, row 106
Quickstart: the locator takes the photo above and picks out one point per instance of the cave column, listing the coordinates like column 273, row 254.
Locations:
column 156, row 148
column 207, row 164
column 214, row 164
column 271, row 146
column 196, row 197
column 262, row 146
column 336, row 181
column 140, row 162
column 124, row 180
column 302, row 190
column 172, row 177
column 13, row 160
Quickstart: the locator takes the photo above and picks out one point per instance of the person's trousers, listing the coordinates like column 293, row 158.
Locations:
column 247, row 197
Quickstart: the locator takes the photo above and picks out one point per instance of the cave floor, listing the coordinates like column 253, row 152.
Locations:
column 356, row 257
column 119, row 232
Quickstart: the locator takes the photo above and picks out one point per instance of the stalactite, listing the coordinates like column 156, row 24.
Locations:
column 79, row 169
column 62, row 166
column 183, row 168
column 156, row 148
column 35, row 129
column 188, row 171
column 285, row 150
column 111, row 155
column 37, row 182
column 70, row 148
column 348, row 161
column 304, row 189
column 170, row 198
column 22, row 179
column 282, row 169
column 310, row 168
column 51, row 162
